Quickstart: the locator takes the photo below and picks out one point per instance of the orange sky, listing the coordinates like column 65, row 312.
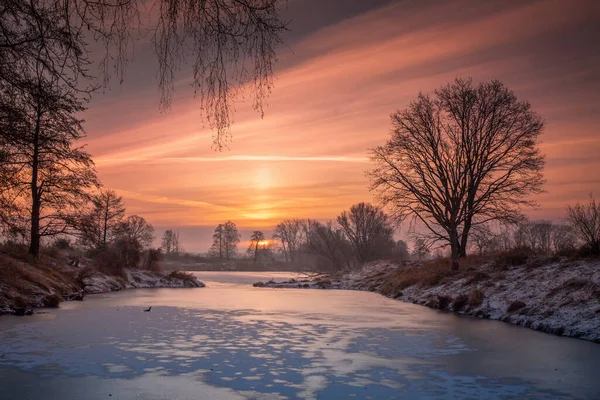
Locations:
column 349, row 67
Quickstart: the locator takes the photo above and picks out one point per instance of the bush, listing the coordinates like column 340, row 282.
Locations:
column 514, row 257
column 515, row 306
column 475, row 298
column 460, row 302
column 152, row 258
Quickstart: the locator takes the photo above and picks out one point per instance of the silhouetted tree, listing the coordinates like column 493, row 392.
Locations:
column 231, row 238
column 462, row 157
column 563, row 238
column 369, row 230
column 98, row 226
column 329, row 243
column 421, row 249
column 170, row 241
column 225, row 240
column 228, row 43
column 289, row 233
column 585, row 220
column 52, row 175
column 257, row 242
column 218, row 242
column 135, row 229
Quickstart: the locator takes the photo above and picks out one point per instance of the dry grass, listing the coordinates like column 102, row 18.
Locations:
column 570, row 285
column 26, row 283
column 434, row 272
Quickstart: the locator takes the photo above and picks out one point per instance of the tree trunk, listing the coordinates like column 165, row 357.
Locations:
column 105, row 225
column 464, row 239
column 454, row 249
column 34, row 243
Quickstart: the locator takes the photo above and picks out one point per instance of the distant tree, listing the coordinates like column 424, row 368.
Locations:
column 401, row 250
column 541, row 232
column 289, row 233
column 225, row 240
column 218, row 242
column 369, row 230
column 231, row 238
column 176, row 243
column 563, row 238
column 485, row 241
column 463, row 157
column 228, row 43
column 585, row 220
column 52, row 176
column 99, row 225
column 421, row 249
column 168, row 241
column 135, row 229
column 257, row 243
column 330, row 244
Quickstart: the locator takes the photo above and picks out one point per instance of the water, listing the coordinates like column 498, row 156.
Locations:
column 233, row 341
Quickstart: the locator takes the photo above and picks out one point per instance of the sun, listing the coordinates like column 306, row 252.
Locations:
column 263, row 243
column 263, row 178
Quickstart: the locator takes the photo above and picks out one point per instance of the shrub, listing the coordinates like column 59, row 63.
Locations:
column 515, row 306
column 478, row 276
column 460, row 302
column 475, row 297
column 514, row 257
column 52, row 300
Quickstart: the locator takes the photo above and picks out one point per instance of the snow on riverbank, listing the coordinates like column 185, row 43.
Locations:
column 27, row 285
column 560, row 297
column 97, row 282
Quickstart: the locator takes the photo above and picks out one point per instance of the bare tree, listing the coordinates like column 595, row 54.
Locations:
column 231, row 238
column 369, row 230
column 98, row 226
column 168, row 241
column 330, row 244
column 51, row 175
column 228, row 43
column 257, row 243
column 218, row 242
column 563, row 238
column 176, row 243
column 460, row 158
column 289, row 232
column 585, row 220
column 421, row 249
column 225, row 240
column 135, row 229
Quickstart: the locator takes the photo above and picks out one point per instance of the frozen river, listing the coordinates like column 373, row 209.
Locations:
column 233, row 341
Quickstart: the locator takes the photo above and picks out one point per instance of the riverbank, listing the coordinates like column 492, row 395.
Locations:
column 46, row 282
column 558, row 296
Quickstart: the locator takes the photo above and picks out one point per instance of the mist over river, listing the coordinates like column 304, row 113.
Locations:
column 232, row 341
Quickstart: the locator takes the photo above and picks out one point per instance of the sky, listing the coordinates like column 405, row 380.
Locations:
column 345, row 67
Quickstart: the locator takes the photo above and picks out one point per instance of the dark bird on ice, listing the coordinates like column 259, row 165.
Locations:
column 148, row 309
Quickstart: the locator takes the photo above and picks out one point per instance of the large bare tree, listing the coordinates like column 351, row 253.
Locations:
column 466, row 155
column 51, row 174
column 229, row 44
